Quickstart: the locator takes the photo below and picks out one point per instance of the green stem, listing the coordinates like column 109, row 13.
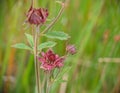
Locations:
column 38, row 63
column 35, row 60
column 47, row 82
column 54, row 21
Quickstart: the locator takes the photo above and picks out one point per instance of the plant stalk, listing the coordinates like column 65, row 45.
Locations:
column 35, row 59
column 54, row 21
column 47, row 82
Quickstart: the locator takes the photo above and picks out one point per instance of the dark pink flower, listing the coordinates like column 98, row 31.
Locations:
column 50, row 60
column 37, row 16
column 71, row 49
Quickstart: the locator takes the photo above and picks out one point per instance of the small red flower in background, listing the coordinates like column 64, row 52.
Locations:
column 50, row 60
column 117, row 38
column 37, row 16
column 71, row 49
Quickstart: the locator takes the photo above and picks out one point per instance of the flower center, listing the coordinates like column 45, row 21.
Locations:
column 51, row 58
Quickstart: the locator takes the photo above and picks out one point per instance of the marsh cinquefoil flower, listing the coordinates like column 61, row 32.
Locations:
column 37, row 16
column 50, row 60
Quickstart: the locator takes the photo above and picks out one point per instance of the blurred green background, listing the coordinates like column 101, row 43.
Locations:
column 94, row 27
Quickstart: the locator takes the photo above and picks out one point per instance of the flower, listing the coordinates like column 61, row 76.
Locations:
column 37, row 16
column 50, row 60
column 71, row 49
column 117, row 38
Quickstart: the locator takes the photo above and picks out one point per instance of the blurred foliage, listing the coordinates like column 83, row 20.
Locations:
column 93, row 26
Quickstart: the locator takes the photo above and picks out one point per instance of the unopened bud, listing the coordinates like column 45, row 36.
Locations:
column 71, row 49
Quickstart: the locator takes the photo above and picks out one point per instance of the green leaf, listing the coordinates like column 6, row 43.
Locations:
column 46, row 45
column 57, row 35
column 30, row 39
column 59, row 78
column 64, row 71
column 59, row 81
column 21, row 46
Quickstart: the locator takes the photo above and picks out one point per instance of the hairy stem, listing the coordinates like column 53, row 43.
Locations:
column 35, row 60
column 38, row 63
column 54, row 21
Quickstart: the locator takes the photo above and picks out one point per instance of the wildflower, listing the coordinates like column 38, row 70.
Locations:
column 50, row 60
column 71, row 49
column 117, row 38
column 37, row 16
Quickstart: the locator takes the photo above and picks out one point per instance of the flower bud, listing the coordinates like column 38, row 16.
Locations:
column 37, row 16
column 71, row 49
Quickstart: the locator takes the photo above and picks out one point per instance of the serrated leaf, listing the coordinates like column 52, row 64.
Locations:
column 46, row 45
column 30, row 39
column 21, row 46
column 57, row 35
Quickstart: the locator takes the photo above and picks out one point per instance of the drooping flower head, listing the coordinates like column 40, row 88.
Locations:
column 37, row 16
column 71, row 49
column 50, row 60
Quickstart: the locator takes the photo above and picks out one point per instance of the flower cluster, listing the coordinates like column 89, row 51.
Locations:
column 50, row 60
column 37, row 16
